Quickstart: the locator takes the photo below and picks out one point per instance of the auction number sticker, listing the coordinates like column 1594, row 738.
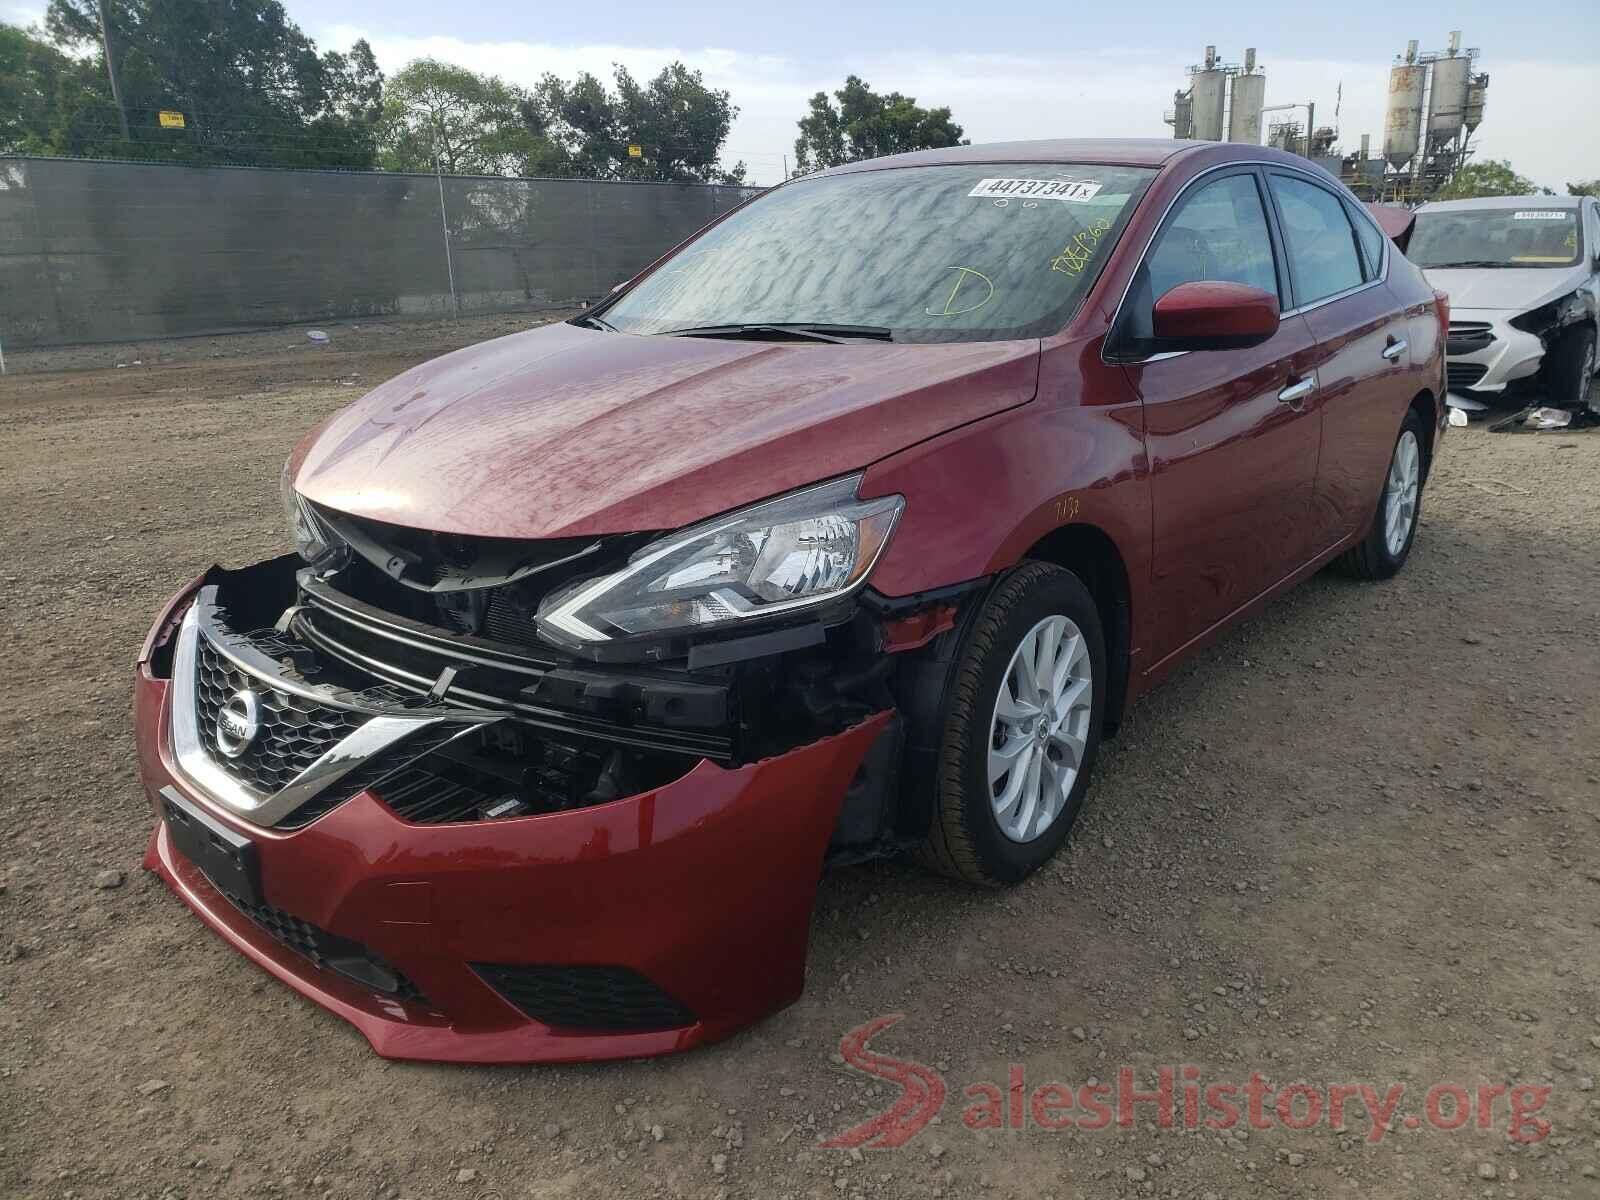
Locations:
column 1078, row 190
column 1545, row 215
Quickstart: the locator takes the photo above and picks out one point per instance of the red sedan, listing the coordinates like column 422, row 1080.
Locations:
column 849, row 528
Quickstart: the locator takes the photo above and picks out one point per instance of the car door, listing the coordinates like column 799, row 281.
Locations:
column 1231, row 434
column 1337, row 262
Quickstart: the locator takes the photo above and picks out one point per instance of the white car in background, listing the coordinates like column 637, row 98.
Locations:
column 1523, row 276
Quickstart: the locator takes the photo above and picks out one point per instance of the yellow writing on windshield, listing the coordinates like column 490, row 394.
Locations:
column 970, row 292
column 1075, row 257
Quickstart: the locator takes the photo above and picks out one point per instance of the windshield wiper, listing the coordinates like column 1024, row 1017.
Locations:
column 594, row 322
column 803, row 331
column 1471, row 262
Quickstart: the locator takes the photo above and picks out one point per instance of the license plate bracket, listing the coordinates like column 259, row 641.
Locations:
column 226, row 858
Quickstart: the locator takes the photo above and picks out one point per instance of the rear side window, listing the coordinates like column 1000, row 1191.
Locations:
column 1371, row 239
column 1320, row 241
column 1219, row 232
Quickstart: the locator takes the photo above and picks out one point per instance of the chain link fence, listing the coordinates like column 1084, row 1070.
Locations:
column 94, row 251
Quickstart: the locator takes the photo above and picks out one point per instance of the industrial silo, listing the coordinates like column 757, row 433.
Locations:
column 1207, row 94
column 1477, row 94
column 1447, row 103
column 1182, row 115
column 1249, row 94
column 1402, row 125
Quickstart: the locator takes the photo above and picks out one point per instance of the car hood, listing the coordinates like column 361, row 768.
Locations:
column 565, row 431
column 1504, row 289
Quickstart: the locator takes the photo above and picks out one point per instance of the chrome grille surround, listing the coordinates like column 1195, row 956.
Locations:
column 311, row 735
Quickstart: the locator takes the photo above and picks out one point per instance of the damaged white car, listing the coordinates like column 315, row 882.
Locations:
column 1523, row 276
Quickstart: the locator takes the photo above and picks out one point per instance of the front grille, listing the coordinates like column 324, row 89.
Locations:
column 1463, row 375
column 331, row 952
column 295, row 731
column 392, row 761
column 1468, row 337
column 590, row 998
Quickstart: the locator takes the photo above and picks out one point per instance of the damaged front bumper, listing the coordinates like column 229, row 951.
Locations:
column 1486, row 352
column 475, row 855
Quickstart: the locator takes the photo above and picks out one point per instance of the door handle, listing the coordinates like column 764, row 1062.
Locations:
column 1395, row 348
column 1296, row 392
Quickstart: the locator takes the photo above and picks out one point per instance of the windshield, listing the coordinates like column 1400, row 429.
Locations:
column 1497, row 237
column 941, row 253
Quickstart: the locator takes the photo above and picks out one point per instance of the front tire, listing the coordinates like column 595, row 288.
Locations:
column 1570, row 367
column 1394, row 528
column 1022, row 725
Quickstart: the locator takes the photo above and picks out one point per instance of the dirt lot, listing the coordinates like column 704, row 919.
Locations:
column 1354, row 843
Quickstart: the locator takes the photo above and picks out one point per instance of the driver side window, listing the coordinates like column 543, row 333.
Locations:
column 1218, row 232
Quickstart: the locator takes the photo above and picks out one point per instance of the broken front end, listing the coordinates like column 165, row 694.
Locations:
column 380, row 777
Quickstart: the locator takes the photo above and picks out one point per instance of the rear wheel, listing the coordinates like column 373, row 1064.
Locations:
column 1021, row 728
column 1388, row 542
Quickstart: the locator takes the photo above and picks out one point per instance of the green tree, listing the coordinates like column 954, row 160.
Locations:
column 1589, row 188
column 480, row 124
column 864, row 124
column 467, row 123
column 1491, row 177
column 678, row 123
column 252, row 88
column 36, row 82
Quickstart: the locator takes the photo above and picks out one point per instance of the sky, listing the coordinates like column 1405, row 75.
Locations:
column 1016, row 70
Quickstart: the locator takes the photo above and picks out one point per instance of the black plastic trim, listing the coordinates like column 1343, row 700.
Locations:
column 901, row 606
column 607, row 694
column 757, row 645
column 226, row 858
column 597, row 998
column 522, row 690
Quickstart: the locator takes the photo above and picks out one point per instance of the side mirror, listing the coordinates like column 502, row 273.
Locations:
column 1213, row 315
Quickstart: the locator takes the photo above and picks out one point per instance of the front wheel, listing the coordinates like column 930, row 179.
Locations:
column 1021, row 730
column 1388, row 542
column 1569, row 369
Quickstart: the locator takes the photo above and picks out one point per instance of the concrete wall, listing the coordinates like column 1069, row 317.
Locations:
column 110, row 251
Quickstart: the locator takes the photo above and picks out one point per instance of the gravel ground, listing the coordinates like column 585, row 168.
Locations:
column 1353, row 843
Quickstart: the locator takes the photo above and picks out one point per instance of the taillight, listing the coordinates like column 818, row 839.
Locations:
column 1441, row 304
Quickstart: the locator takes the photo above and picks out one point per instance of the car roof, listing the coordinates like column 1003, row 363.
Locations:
column 1492, row 202
column 1116, row 152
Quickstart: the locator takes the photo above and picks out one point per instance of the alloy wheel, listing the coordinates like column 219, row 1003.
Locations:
column 1405, row 477
column 1040, row 728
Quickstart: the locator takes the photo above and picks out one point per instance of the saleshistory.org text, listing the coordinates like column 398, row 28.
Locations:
column 1178, row 1096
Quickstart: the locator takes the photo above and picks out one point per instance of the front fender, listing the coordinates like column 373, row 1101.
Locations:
column 980, row 497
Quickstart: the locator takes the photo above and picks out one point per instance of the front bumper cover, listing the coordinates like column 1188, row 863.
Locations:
column 702, row 888
column 1486, row 352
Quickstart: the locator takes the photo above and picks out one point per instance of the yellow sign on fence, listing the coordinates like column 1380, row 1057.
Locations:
column 635, row 151
column 171, row 120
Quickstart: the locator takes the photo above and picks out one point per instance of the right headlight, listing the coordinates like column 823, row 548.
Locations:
column 799, row 551
column 312, row 540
